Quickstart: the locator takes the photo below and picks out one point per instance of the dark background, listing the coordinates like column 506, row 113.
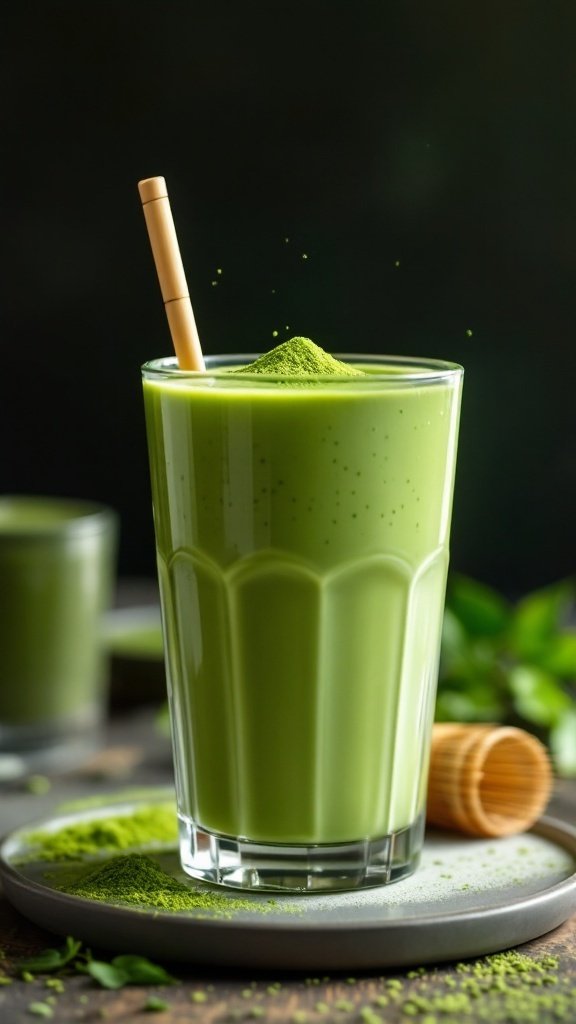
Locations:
column 437, row 135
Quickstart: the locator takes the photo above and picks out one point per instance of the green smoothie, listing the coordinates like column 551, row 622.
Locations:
column 302, row 529
column 56, row 576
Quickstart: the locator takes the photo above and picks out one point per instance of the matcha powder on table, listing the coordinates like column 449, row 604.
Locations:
column 508, row 987
column 300, row 357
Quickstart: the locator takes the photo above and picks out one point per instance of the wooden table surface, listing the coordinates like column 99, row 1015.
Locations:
column 136, row 756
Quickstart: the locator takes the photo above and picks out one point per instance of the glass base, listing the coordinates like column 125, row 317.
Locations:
column 241, row 864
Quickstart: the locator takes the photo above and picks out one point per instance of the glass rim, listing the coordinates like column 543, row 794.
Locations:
column 408, row 369
column 70, row 515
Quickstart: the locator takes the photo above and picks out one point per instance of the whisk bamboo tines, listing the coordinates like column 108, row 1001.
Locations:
column 487, row 780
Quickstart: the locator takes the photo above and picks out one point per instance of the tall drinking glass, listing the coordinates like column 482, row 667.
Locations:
column 302, row 530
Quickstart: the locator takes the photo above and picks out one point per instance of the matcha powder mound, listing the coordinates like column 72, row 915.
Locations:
column 138, row 880
column 300, row 357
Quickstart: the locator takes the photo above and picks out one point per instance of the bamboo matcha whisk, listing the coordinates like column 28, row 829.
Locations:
column 486, row 780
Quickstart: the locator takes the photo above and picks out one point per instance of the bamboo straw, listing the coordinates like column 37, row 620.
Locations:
column 486, row 780
column 168, row 260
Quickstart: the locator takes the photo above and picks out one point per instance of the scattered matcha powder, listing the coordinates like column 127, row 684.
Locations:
column 155, row 1005
column 40, row 1009
column 56, row 984
column 299, row 357
column 368, row 1016
column 155, row 824
column 344, row 1004
column 505, row 987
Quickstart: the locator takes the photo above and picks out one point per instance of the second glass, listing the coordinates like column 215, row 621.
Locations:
column 302, row 534
column 57, row 568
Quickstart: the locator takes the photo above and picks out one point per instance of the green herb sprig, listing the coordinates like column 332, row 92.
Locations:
column 513, row 663
column 120, row 971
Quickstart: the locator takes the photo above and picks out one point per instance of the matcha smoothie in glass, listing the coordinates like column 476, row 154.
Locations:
column 302, row 511
column 57, row 568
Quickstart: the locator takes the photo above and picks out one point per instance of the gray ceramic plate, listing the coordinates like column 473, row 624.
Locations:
column 469, row 897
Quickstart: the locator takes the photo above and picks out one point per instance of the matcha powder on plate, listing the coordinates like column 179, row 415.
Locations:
column 139, row 881
column 300, row 357
column 148, row 825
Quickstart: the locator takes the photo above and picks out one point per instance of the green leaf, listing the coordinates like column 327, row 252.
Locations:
column 457, row 707
column 464, row 657
column 481, row 610
column 126, row 970
column 538, row 617
column 454, row 641
column 476, row 702
column 71, row 949
column 563, row 743
column 44, row 962
column 142, row 971
column 107, row 975
column 51, row 959
column 559, row 657
column 537, row 696
column 470, row 663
